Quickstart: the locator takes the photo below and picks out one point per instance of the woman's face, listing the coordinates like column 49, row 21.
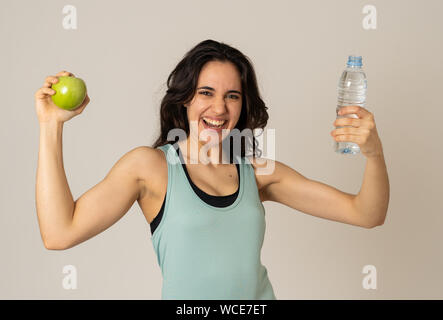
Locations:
column 218, row 98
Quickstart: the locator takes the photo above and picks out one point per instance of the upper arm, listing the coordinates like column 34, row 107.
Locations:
column 106, row 202
column 285, row 185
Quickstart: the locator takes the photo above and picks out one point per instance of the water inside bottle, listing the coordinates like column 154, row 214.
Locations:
column 351, row 91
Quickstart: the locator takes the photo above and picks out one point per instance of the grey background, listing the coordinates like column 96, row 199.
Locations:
column 125, row 50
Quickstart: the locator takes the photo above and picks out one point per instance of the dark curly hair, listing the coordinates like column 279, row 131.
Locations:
column 182, row 84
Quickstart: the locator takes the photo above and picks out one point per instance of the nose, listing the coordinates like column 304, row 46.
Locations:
column 219, row 106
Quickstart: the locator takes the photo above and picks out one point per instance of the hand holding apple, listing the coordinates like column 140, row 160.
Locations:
column 71, row 99
column 69, row 92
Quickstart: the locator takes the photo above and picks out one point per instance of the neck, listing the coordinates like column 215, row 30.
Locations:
column 198, row 152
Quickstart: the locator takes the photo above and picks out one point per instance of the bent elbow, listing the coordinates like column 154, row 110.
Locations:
column 55, row 244
column 382, row 221
column 372, row 226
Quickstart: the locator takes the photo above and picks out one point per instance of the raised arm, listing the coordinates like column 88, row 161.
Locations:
column 64, row 222
column 108, row 201
column 287, row 186
column 95, row 210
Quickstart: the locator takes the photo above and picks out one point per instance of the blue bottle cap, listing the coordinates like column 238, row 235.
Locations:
column 354, row 61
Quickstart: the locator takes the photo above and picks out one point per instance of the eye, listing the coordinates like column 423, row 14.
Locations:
column 205, row 93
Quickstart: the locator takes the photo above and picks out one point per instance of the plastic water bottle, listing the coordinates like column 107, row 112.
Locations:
column 352, row 88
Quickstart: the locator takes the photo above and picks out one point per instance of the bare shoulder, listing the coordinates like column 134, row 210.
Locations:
column 273, row 169
column 142, row 153
column 147, row 159
column 148, row 164
column 268, row 172
column 264, row 170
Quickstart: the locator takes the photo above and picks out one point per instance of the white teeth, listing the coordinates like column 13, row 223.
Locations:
column 214, row 122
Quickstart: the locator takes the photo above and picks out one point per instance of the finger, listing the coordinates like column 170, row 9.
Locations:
column 49, row 81
column 83, row 105
column 358, row 110
column 350, row 130
column 80, row 109
column 345, row 137
column 349, row 138
column 357, row 123
column 65, row 73
column 44, row 92
column 347, row 122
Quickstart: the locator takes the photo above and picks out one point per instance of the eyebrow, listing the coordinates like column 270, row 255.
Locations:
column 209, row 88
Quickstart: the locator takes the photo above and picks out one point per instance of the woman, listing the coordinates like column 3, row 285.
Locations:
column 207, row 218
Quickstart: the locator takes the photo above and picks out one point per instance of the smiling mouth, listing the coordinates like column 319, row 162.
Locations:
column 215, row 124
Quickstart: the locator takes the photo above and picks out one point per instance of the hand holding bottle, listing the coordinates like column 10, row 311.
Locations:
column 361, row 131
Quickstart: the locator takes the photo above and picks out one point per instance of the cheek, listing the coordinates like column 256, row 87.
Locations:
column 194, row 112
column 236, row 113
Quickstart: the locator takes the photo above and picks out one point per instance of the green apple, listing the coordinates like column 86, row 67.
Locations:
column 69, row 92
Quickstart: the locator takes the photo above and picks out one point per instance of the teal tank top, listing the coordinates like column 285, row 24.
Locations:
column 207, row 252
